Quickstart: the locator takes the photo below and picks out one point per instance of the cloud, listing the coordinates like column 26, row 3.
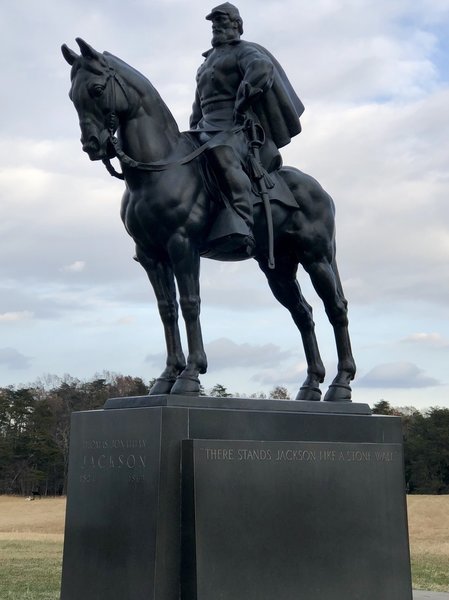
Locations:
column 12, row 359
column 223, row 353
column 435, row 340
column 293, row 375
column 386, row 167
column 397, row 375
column 15, row 316
column 75, row 267
column 156, row 358
column 239, row 286
column 31, row 300
column 126, row 320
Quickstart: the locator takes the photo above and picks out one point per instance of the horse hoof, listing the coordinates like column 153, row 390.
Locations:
column 338, row 392
column 309, row 394
column 186, row 386
column 161, row 386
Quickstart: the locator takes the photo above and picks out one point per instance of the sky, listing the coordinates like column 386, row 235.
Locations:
column 374, row 78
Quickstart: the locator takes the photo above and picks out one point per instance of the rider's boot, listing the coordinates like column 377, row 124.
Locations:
column 236, row 189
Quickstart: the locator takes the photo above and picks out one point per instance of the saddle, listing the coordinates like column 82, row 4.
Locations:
column 228, row 238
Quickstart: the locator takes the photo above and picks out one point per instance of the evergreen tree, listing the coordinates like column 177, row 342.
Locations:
column 279, row 392
column 383, row 408
column 219, row 391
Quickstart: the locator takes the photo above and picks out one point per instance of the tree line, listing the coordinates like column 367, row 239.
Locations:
column 426, row 447
column 35, row 430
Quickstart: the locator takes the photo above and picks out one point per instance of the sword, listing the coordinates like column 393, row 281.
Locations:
column 256, row 139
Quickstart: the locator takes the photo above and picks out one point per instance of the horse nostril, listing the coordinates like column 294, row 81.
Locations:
column 91, row 145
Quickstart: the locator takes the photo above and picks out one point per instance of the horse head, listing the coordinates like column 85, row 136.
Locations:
column 100, row 98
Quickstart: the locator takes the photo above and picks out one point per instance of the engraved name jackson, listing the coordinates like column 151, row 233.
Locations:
column 113, row 455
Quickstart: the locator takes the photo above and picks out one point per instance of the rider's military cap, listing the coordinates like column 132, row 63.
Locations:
column 225, row 9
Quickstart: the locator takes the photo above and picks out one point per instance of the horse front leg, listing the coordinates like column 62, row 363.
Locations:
column 284, row 285
column 326, row 281
column 162, row 279
column 186, row 265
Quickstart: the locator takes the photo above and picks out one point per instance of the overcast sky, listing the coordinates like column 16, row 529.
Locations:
column 374, row 77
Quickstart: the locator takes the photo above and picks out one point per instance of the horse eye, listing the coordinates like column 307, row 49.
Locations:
column 96, row 90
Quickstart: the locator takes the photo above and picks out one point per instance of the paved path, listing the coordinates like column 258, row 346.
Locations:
column 419, row 595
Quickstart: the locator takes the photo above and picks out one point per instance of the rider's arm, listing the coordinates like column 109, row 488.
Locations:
column 258, row 75
column 197, row 113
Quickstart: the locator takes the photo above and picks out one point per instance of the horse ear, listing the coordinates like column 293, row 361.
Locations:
column 86, row 50
column 68, row 54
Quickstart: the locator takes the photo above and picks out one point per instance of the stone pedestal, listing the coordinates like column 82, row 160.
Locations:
column 205, row 498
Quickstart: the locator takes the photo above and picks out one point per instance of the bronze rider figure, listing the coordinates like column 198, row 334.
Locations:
column 236, row 81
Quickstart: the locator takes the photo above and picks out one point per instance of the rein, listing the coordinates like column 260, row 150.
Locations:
column 159, row 165
column 126, row 160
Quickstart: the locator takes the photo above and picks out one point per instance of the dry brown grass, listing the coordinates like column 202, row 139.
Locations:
column 429, row 541
column 428, row 519
column 31, row 536
column 37, row 528
column 24, row 519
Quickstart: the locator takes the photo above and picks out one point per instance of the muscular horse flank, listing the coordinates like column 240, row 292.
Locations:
column 169, row 215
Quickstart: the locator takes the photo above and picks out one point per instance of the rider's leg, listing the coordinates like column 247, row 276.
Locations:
column 233, row 181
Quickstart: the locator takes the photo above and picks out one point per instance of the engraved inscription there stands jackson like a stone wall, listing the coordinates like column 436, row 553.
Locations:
column 295, row 454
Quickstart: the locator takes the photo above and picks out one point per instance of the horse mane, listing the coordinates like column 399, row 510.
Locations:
column 144, row 86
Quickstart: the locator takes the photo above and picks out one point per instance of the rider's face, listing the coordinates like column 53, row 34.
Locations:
column 223, row 29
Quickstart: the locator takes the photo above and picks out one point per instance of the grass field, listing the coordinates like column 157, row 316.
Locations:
column 428, row 518
column 31, row 537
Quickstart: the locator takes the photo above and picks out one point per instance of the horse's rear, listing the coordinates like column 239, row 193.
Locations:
column 306, row 235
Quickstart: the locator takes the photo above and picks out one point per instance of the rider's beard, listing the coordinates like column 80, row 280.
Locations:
column 223, row 35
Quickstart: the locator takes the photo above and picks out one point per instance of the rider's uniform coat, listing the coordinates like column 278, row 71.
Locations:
column 243, row 78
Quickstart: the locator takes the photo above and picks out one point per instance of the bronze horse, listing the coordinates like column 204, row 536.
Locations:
column 168, row 213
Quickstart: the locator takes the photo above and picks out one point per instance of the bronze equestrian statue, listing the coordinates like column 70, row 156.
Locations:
column 218, row 190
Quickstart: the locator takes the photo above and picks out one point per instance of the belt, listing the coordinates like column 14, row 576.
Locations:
column 213, row 106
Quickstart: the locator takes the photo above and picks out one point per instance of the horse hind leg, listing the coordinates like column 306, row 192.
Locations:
column 326, row 281
column 284, row 285
column 162, row 279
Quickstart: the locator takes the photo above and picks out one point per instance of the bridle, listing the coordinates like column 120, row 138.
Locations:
column 112, row 121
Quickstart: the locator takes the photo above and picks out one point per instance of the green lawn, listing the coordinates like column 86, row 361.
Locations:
column 30, row 570
column 430, row 572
